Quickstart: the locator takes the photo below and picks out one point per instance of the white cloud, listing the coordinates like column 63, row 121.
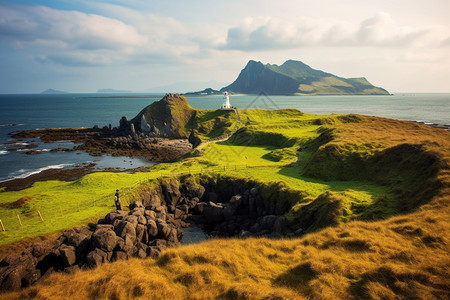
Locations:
column 75, row 38
column 75, row 29
column 379, row 31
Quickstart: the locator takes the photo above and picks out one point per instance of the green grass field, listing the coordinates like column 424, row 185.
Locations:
column 265, row 149
column 67, row 204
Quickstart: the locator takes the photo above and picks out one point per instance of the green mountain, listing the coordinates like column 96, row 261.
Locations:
column 296, row 78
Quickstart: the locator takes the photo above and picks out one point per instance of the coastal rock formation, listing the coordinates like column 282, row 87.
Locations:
column 295, row 77
column 153, row 223
column 159, row 133
column 165, row 118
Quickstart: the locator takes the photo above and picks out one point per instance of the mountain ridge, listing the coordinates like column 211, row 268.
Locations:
column 297, row 78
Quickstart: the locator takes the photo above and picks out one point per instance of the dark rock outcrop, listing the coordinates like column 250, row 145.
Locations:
column 194, row 140
column 151, row 225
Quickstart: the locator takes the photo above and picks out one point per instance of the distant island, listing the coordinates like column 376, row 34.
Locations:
column 205, row 92
column 53, row 92
column 294, row 78
column 112, row 91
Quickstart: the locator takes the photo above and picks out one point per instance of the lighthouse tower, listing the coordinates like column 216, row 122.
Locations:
column 226, row 101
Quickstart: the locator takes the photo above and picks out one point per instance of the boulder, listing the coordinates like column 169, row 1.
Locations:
column 178, row 213
column 125, row 229
column 104, row 239
column 140, row 230
column 228, row 212
column 15, row 269
column 31, row 277
column 200, row 207
column 137, row 211
column 152, row 229
column 267, row 222
column 68, row 255
column 235, row 201
column 161, row 212
column 131, row 219
column 164, row 230
column 119, row 255
column 213, row 212
column 281, row 225
column 255, row 228
column 142, row 220
column 93, row 259
column 173, row 236
column 191, row 190
column 150, row 214
column 115, row 214
column 135, row 204
column 79, row 241
column 153, row 252
column 193, row 202
column 12, row 280
column 194, row 140
column 42, row 249
column 171, row 193
column 151, row 199
column 101, row 226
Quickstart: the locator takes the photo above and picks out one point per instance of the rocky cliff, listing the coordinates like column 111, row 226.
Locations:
column 296, row 78
column 167, row 117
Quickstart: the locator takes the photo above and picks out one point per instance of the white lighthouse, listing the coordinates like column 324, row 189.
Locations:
column 226, row 101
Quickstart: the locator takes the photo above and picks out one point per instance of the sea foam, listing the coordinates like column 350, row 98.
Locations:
column 23, row 173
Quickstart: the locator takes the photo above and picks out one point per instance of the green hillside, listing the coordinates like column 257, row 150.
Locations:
column 296, row 78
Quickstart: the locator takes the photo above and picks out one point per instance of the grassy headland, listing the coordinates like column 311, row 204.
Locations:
column 371, row 193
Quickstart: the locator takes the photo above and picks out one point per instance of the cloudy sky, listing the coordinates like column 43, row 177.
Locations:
column 86, row 45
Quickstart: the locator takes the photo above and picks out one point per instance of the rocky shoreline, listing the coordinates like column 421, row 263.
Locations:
column 98, row 141
column 155, row 222
column 18, row 184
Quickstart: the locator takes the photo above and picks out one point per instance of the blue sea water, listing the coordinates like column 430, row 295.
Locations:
column 22, row 112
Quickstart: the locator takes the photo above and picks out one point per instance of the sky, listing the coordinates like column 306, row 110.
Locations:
column 136, row 45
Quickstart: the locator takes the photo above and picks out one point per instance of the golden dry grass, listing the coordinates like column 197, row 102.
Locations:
column 404, row 257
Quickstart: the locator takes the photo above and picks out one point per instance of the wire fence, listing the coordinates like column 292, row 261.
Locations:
column 16, row 219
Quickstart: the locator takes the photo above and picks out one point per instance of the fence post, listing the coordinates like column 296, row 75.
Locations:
column 235, row 167
column 40, row 216
column 18, row 218
column 3, row 227
column 78, row 205
column 60, row 210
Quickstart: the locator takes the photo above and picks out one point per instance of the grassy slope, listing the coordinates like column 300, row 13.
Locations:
column 405, row 255
column 76, row 200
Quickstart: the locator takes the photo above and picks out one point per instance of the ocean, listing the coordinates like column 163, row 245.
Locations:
column 22, row 112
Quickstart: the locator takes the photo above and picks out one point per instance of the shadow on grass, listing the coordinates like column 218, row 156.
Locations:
column 384, row 202
column 297, row 278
